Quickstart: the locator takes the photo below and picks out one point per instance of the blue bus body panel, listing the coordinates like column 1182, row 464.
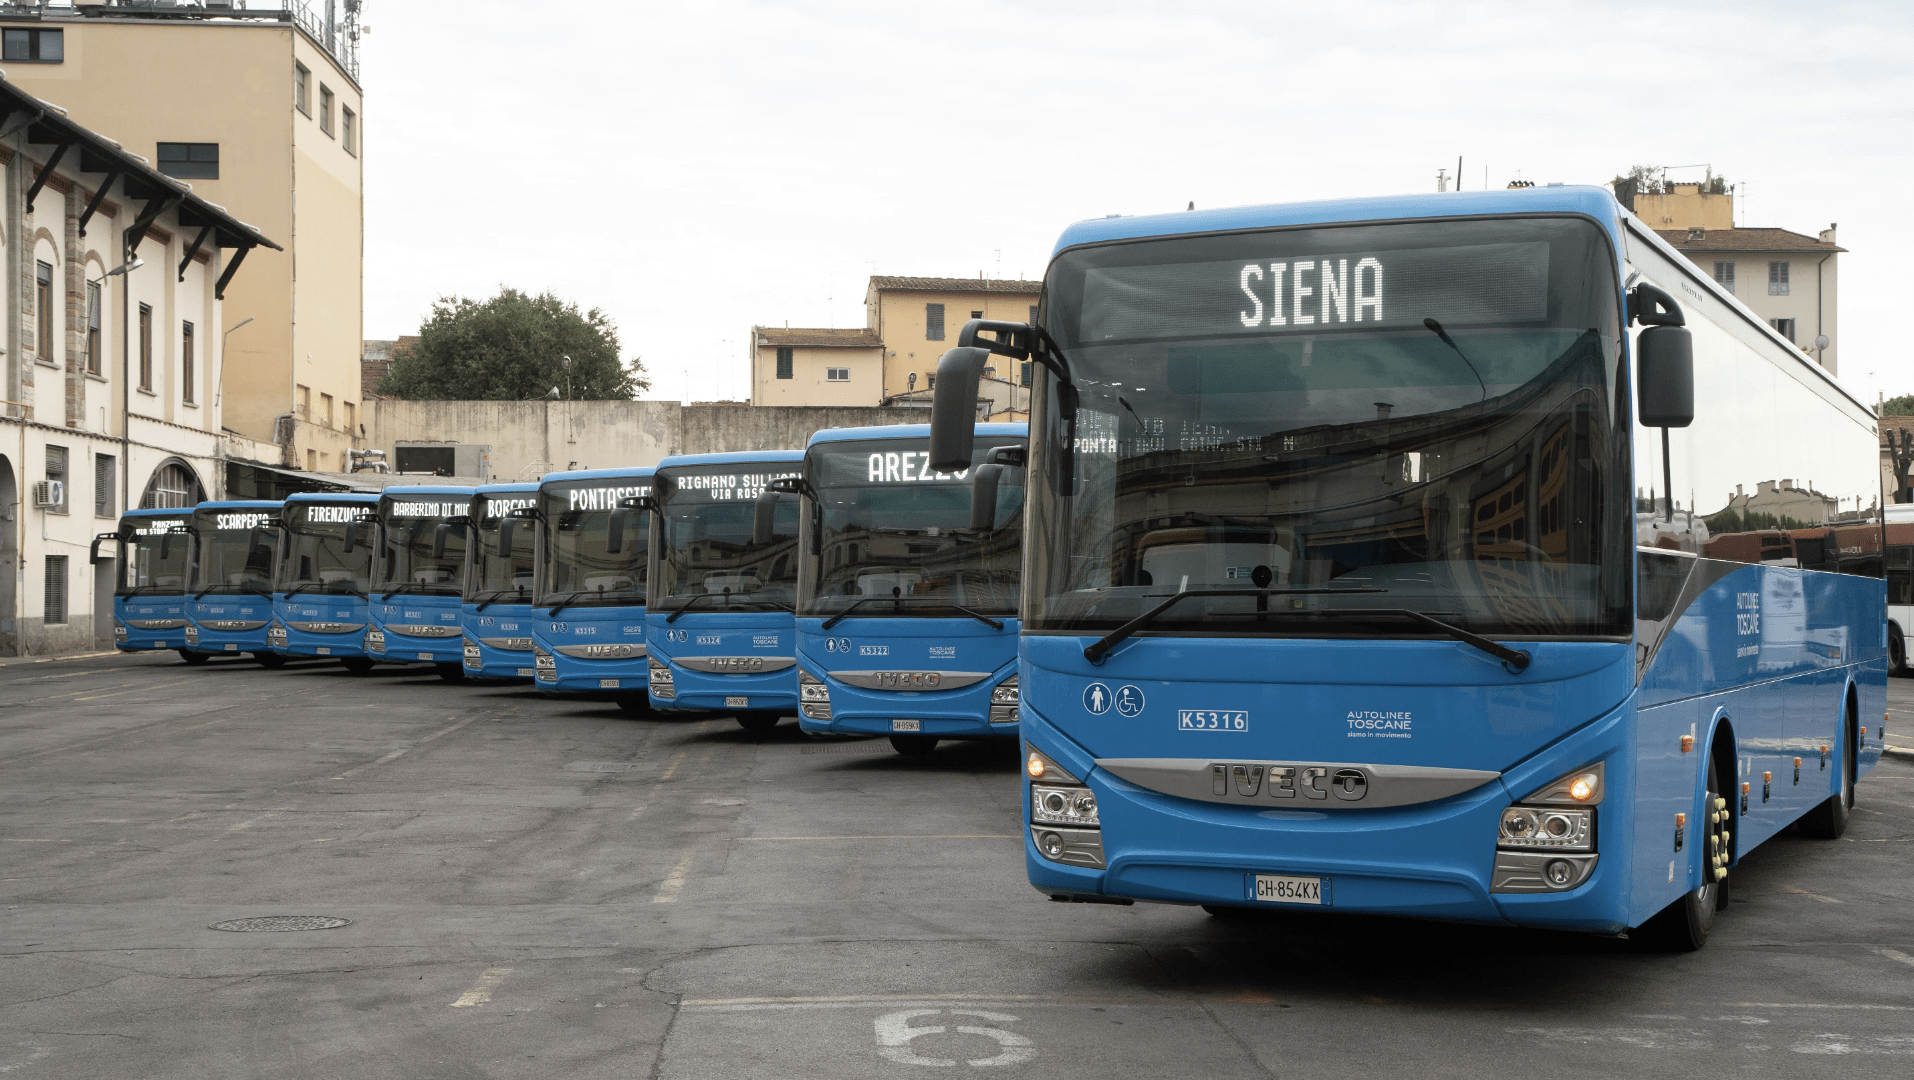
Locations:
column 586, row 626
column 497, row 621
column 912, row 431
column 232, row 607
column 909, row 644
column 743, row 633
column 167, row 611
column 411, row 609
column 349, row 611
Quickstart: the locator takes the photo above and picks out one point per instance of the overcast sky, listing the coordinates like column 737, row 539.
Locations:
column 694, row 169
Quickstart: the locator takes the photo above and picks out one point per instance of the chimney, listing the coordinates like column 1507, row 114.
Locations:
column 1695, row 236
column 1827, row 234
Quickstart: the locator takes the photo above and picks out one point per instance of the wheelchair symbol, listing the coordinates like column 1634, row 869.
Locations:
column 1129, row 700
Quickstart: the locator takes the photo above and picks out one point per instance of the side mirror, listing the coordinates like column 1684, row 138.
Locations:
column 763, row 517
column 1664, row 360
column 440, row 533
column 984, row 482
column 788, row 485
column 93, row 555
column 615, row 531
column 166, row 546
column 1010, row 339
column 953, row 408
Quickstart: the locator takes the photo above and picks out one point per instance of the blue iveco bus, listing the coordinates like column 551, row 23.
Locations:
column 149, row 601
column 1380, row 557
column 231, row 580
column 497, row 602
column 724, row 577
column 418, row 578
column 588, row 623
column 908, row 586
column 325, row 568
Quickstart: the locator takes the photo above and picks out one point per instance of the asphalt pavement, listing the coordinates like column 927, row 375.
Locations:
column 538, row 888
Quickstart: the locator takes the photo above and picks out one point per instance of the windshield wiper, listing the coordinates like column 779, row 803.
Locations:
column 402, row 587
column 930, row 600
column 1101, row 647
column 1436, row 329
column 1515, row 660
column 493, row 597
column 325, row 586
column 691, row 603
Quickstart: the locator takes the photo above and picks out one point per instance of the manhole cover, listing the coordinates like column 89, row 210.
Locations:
column 282, row 922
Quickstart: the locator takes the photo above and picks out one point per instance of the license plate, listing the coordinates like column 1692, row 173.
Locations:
column 736, row 702
column 425, row 656
column 324, row 650
column 1272, row 889
column 907, row 725
column 612, row 684
column 526, row 673
column 232, row 648
column 159, row 644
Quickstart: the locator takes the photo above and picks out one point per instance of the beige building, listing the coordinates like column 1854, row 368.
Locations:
column 816, row 367
column 261, row 112
column 918, row 319
column 1785, row 278
column 112, row 361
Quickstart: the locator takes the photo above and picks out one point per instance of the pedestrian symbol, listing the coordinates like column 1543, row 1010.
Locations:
column 1096, row 699
column 1129, row 700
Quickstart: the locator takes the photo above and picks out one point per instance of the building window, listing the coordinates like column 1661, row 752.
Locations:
column 1025, row 376
column 352, row 418
column 934, row 322
column 784, row 363
column 1784, row 327
column 325, row 108
column 56, row 474
column 312, row 461
column 305, row 402
column 92, row 328
column 43, row 312
column 302, row 89
column 837, row 374
column 1033, row 314
column 103, row 482
column 1777, row 279
column 186, row 362
column 35, row 46
column 325, row 409
column 190, row 160
column 349, row 130
column 146, row 348
column 56, row 590
column 976, row 314
column 1725, row 275
column 173, row 485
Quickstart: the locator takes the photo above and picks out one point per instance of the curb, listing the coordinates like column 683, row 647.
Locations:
column 14, row 661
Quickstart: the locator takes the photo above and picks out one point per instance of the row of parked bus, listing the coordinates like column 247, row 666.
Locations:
column 677, row 588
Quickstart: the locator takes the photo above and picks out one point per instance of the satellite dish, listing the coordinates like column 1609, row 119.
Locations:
column 1821, row 341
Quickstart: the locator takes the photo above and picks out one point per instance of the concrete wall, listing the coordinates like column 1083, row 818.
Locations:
column 531, row 438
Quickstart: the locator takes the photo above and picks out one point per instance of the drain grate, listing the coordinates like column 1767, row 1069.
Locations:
column 281, row 923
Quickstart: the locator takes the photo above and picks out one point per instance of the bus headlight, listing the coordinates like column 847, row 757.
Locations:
column 814, row 697
column 375, row 641
column 1063, row 806
column 1534, row 829
column 472, row 657
column 119, row 630
column 544, row 665
column 192, row 634
column 661, row 683
column 1004, row 693
column 276, row 635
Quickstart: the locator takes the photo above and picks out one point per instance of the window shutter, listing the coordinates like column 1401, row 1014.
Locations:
column 934, row 322
column 55, row 606
column 102, row 485
column 784, row 363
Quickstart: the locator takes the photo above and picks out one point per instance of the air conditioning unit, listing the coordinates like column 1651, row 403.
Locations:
column 48, row 493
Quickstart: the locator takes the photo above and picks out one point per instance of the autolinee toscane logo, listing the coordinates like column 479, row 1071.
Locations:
column 1371, row 724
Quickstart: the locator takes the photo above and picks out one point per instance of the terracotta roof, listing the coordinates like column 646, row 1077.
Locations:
column 860, row 338
column 1745, row 240
column 957, row 284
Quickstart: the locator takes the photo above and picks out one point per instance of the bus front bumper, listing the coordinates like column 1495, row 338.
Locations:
column 967, row 713
column 482, row 661
column 384, row 643
column 698, row 691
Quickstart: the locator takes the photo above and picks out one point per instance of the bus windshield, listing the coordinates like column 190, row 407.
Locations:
column 413, row 560
column 595, row 550
column 1317, row 423
column 155, row 560
column 887, row 526
column 501, row 576
column 235, row 551
column 316, row 559
column 706, row 541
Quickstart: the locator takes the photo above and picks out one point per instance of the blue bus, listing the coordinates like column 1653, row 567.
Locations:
column 907, row 586
column 325, row 568
column 1314, row 617
column 418, row 578
column 721, row 634
column 588, row 629
column 497, row 602
column 149, row 597
column 230, row 579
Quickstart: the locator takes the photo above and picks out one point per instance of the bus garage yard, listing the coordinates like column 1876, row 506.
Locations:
column 535, row 887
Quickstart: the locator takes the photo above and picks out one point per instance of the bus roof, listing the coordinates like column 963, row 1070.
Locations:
column 747, row 457
column 427, row 489
column 177, row 511
column 597, row 474
column 503, row 489
column 910, row 431
column 240, row 504
column 1597, row 202
column 366, row 497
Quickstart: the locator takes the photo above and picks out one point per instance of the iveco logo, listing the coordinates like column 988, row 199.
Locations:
column 908, row 680
column 737, row 663
column 1316, row 782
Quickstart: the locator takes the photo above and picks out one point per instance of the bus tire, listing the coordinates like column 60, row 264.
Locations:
column 269, row 659
column 914, row 745
column 451, row 672
column 358, row 665
column 1830, row 819
column 758, row 723
column 192, row 657
column 1684, row 925
column 1896, row 651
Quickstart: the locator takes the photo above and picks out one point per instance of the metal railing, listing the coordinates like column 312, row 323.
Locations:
column 334, row 24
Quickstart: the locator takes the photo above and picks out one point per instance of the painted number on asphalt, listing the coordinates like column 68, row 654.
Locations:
column 895, row 1032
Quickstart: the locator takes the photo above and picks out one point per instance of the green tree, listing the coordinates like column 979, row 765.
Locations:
column 1899, row 406
column 511, row 348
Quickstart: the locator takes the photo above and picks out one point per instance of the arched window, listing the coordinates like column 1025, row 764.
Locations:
column 174, row 485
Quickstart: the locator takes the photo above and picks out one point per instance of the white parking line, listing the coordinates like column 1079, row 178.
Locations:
column 481, row 991
column 1896, row 954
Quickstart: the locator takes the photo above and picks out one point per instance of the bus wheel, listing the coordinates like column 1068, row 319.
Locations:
column 1684, row 925
column 758, row 723
column 451, row 672
column 194, row 657
column 914, row 745
column 1896, row 651
column 1830, row 819
column 358, row 665
column 269, row 659
column 635, row 703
